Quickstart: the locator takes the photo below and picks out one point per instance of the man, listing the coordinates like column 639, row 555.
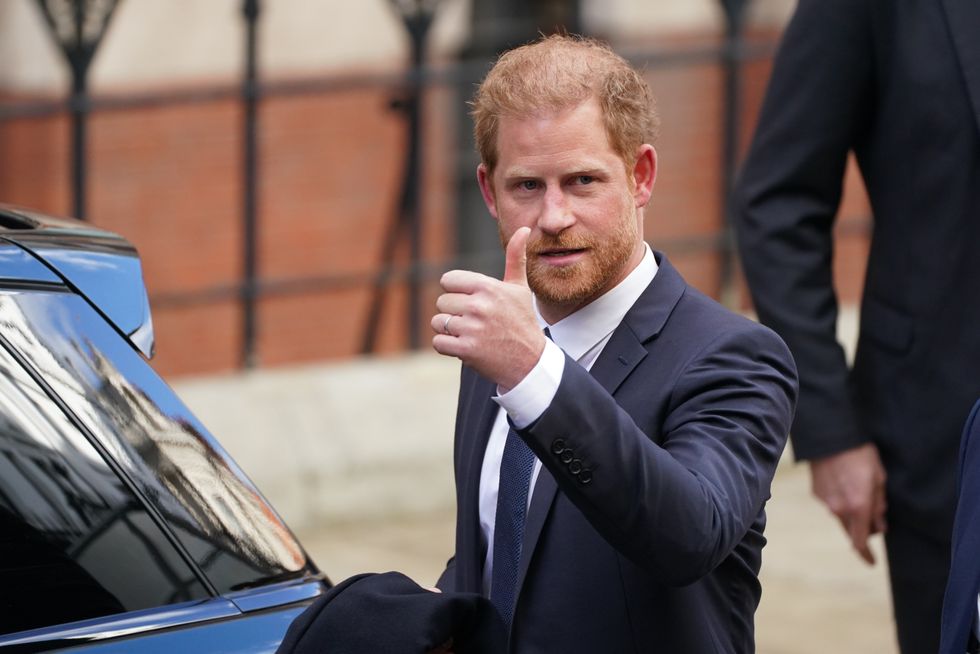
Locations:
column 897, row 83
column 960, row 625
column 656, row 417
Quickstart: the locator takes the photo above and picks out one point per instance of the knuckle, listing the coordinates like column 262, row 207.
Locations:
column 836, row 508
column 481, row 306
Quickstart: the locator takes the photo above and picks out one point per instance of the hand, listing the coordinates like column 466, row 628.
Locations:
column 491, row 323
column 445, row 648
column 852, row 485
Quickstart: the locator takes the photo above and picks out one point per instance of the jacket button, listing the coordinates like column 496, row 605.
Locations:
column 575, row 466
column 558, row 446
column 585, row 477
column 567, row 455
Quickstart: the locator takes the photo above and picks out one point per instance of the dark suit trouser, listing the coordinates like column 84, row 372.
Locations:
column 918, row 566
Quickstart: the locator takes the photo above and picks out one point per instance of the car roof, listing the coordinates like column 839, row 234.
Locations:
column 99, row 265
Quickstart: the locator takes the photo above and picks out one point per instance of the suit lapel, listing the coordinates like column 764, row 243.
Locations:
column 476, row 434
column 963, row 19
column 642, row 323
column 542, row 497
column 624, row 351
column 960, row 604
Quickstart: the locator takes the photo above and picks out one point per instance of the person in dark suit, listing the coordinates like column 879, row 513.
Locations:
column 960, row 625
column 897, row 84
column 611, row 479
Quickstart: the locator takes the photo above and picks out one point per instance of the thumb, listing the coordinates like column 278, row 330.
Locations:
column 515, row 267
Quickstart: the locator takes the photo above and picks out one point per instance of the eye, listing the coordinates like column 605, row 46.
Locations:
column 584, row 179
column 527, row 185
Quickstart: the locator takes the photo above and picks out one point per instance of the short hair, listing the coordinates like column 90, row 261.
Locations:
column 559, row 72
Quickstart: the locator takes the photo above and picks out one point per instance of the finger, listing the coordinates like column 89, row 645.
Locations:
column 454, row 303
column 859, row 529
column 880, row 524
column 463, row 281
column 515, row 269
column 879, row 510
column 449, row 346
column 448, row 324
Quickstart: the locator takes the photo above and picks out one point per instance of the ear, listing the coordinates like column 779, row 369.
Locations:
column 644, row 174
column 486, row 188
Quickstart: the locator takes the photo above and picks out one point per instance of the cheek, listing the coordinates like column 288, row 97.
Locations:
column 508, row 222
column 513, row 215
column 600, row 213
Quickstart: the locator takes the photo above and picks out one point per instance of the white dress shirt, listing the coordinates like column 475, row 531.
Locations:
column 581, row 336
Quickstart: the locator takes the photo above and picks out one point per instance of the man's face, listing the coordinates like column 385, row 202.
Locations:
column 558, row 175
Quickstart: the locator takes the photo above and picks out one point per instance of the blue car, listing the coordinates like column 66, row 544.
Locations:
column 124, row 526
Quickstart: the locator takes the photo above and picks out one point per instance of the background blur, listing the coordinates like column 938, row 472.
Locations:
column 297, row 174
column 317, row 230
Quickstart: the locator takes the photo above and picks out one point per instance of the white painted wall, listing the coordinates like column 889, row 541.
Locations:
column 152, row 42
column 155, row 42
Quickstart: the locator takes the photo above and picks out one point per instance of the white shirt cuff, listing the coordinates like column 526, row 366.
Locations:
column 532, row 395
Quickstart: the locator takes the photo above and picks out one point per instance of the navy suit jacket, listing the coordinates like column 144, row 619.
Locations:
column 645, row 527
column 960, row 603
column 897, row 84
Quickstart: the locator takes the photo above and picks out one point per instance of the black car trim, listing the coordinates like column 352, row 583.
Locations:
column 30, row 246
column 26, row 268
column 22, row 285
column 122, row 624
column 120, row 472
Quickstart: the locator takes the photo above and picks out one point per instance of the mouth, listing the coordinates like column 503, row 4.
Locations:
column 561, row 253
column 561, row 256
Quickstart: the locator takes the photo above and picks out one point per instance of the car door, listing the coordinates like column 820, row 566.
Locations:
column 123, row 524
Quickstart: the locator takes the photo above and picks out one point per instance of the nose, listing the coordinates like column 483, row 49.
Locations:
column 556, row 212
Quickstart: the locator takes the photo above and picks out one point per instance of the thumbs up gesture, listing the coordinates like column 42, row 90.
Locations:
column 489, row 324
column 515, row 264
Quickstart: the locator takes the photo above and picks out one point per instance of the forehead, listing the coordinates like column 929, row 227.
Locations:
column 574, row 136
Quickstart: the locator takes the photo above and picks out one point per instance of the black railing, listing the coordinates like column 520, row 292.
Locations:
column 78, row 28
column 250, row 186
column 407, row 88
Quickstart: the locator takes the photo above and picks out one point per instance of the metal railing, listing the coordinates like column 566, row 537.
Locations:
column 406, row 89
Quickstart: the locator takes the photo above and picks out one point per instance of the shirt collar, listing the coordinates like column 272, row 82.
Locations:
column 579, row 332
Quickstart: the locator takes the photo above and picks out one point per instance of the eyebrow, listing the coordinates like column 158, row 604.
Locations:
column 524, row 173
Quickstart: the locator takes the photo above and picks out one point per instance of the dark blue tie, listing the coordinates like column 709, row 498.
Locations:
column 508, row 531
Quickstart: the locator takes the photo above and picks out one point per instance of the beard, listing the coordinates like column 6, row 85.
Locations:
column 577, row 284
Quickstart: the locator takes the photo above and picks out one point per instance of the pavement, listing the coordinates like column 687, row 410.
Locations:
column 817, row 595
column 357, row 457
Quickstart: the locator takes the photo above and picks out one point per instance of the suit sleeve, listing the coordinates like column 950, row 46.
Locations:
column 816, row 110
column 677, row 501
column 447, row 580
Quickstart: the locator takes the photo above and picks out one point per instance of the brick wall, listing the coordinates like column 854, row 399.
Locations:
column 168, row 177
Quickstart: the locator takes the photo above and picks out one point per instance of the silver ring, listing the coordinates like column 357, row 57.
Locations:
column 445, row 325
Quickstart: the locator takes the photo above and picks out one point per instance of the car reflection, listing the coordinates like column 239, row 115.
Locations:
column 220, row 520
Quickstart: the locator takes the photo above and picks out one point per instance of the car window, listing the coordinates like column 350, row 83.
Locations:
column 74, row 541
column 217, row 515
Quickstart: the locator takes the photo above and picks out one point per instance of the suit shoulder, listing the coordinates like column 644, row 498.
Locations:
column 713, row 319
column 700, row 328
